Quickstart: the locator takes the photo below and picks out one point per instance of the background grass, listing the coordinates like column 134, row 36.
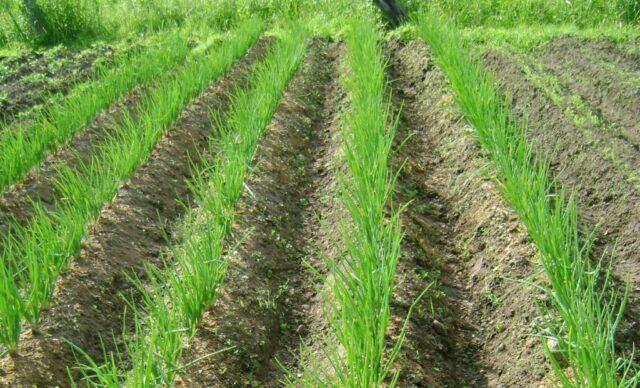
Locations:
column 64, row 21
column 67, row 21
column 510, row 13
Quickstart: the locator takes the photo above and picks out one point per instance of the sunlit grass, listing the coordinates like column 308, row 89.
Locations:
column 363, row 279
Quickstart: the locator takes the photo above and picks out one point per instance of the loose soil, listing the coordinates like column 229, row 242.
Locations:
column 476, row 324
column 37, row 77
column 263, row 309
column 87, row 306
column 581, row 162
column 583, row 67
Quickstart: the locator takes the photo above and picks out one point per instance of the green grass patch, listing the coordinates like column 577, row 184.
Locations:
column 532, row 38
column 510, row 13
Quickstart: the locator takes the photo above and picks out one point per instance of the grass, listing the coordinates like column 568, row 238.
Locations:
column 363, row 280
column 527, row 38
column 511, row 13
column 85, row 21
column 586, row 307
column 35, row 255
column 26, row 145
column 64, row 21
column 177, row 300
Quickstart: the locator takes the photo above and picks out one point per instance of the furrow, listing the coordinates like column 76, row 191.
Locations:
column 325, row 213
column 129, row 234
column 262, row 307
column 476, row 325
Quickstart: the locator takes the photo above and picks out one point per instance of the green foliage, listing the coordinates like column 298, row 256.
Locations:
column 509, row 13
column 68, row 20
column 630, row 10
column 50, row 21
column 57, row 21
column 531, row 38
column 363, row 281
column 587, row 307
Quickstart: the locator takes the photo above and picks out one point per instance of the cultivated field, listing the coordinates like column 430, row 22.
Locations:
column 292, row 193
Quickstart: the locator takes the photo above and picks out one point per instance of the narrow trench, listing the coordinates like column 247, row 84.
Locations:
column 265, row 301
column 476, row 325
column 88, row 306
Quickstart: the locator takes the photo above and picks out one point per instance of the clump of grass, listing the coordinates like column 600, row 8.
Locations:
column 48, row 22
column 37, row 253
column 177, row 300
column 586, row 304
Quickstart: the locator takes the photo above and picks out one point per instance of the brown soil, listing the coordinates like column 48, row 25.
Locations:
column 264, row 306
column 476, row 324
column 87, row 306
column 606, row 198
column 581, row 65
column 32, row 83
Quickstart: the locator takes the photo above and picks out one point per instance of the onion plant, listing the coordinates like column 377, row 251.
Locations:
column 363, row 281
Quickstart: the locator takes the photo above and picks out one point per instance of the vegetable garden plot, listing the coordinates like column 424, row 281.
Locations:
column 364, row 213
